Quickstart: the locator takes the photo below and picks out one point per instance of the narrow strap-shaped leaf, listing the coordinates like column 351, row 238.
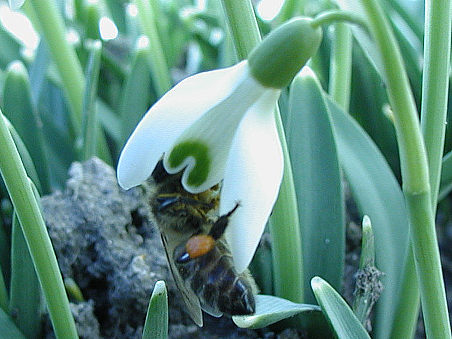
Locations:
column 136, row 93
column 339, row 314
column 377, row 194
column 25, row 156
column 19, row 109
column 270, row 309
column 38, row 240
column 317, row 179
column 156, row 324
column 368, row 285
column 8, row 329
column 25, row 292
column 10, row 48
column 38, row 71
column 89, row 123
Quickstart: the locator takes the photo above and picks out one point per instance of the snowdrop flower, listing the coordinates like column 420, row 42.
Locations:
column 220, row 126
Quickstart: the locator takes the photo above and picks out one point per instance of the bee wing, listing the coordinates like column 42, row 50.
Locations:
column 190, row 298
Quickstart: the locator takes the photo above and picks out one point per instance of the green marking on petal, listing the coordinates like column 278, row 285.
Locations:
column 200, row 152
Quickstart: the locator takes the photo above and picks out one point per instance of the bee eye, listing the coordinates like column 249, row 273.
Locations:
column 184, row 258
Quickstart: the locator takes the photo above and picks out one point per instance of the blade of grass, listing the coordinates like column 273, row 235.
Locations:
column 25, row 292
column 89, row 124
column 25, row 156
column 156, row 324
column 10, row 48
column 318, row 185
column 377, row 194
column 69, row 69
column 19, row 109
column 159, row 67
column 368, row 285
column 35, row 232
column 339, row 315
column 38, row 71
column 136, row 94
column 270, row 309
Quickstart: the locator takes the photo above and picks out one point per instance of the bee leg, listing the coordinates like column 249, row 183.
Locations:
column 220, row 225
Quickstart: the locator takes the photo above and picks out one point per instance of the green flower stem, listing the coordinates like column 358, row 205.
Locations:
column 89, row 124
column 289, row 9
column 341, row 65
column 416, row 184
column 335, row 16
column 67, row 63
column 35, row 232
column 435, row 86
column 284, row 223
column 158, row 62
column 242, row 25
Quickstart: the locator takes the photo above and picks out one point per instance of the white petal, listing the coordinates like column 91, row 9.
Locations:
column 253, row 176
column 169, row 117
column 215, row 131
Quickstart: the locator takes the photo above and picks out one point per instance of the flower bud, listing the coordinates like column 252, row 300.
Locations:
column 282, row 54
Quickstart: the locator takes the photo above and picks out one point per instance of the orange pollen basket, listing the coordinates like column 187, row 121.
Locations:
column 199, row 245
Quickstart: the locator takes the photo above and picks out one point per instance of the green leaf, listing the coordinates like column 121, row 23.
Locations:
column 368, row 99
column 368, row 278
column 10, row 48
column 339, row 315
column 156, row 324
column 377, row 194
column 8, row 329
column 24, row 155
column 19, row 109
column 136, row 94
column 116, row 9
column 270, row 309
column 25, row 291
column 38, row 71
column 89, row 123
column 318, row 185
column 110, row 122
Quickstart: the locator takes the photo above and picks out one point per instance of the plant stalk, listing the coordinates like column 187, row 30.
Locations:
column 158, row 61
column 341, row 65
column 284, row 223
column 52, row 25
column 416, row 184
column 435, row 86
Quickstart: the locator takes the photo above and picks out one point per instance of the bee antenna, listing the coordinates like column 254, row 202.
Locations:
column 220, row 225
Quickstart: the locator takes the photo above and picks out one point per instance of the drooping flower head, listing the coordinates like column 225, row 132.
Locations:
column 219, row 126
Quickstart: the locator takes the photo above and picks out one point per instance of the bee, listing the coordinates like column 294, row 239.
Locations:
column 198, row 255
